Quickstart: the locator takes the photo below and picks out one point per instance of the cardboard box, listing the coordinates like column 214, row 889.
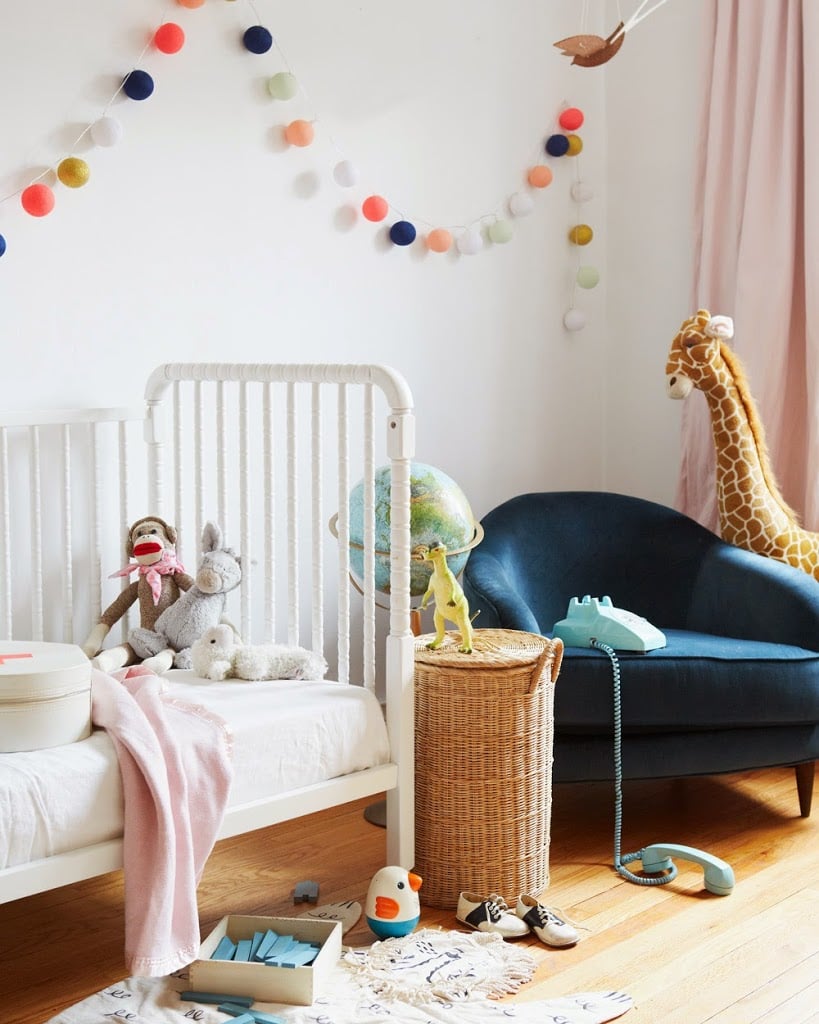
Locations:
column 298, row 985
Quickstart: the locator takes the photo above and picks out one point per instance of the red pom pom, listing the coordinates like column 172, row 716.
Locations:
column 571, row 119
column 375, row 208
column 38, row 200
column 169, row 38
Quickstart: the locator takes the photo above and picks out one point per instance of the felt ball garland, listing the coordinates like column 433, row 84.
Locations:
column 38, row 199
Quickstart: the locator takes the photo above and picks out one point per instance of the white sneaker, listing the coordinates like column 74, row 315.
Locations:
column 490, row 914
column 549, row 928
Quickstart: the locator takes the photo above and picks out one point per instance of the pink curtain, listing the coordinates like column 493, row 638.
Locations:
column 756, row 242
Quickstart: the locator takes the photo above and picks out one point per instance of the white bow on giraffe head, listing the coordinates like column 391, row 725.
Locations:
column 720, row 327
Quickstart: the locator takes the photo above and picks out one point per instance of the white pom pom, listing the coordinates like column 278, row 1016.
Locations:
column 574, row 320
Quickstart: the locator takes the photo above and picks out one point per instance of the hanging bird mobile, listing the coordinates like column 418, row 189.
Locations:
column 589, row 51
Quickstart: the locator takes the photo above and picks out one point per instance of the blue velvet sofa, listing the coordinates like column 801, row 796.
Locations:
column 736, row 687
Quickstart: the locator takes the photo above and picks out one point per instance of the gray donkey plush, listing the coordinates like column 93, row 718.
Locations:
column 195, row 611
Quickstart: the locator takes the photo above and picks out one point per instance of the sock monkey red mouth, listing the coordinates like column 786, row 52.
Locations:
column 148, row 547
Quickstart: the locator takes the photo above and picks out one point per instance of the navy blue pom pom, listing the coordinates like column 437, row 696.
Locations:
column 402, row 233
column 557, row 145
column 138, row 85
column 257, row 39
column 2, row 245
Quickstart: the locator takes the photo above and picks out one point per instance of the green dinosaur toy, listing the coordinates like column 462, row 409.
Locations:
column 450, row 601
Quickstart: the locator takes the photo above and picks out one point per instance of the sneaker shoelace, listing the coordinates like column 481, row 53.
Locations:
column 495, row 907
column 545, row 916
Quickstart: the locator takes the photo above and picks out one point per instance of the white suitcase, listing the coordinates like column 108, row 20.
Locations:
column 45, row 695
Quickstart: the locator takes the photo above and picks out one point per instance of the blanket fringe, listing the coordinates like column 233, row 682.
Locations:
column 428, row 959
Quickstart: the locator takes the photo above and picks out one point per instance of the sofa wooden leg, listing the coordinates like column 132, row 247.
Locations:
column 804, row 786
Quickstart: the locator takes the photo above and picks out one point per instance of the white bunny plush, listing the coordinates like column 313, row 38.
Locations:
column 218, row 654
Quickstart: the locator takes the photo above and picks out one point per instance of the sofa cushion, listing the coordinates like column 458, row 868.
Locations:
column 698, row 681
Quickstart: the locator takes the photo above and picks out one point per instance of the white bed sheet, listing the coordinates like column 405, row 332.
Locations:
column 286, row 734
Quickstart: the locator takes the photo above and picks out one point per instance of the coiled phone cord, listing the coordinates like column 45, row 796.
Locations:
column 621, row 860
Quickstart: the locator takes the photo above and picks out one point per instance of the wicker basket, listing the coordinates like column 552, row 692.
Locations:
column 484, row 727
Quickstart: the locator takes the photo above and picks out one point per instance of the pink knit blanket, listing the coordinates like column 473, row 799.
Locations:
column 175, row 761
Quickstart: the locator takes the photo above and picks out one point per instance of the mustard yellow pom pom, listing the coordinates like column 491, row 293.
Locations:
column 73, row 172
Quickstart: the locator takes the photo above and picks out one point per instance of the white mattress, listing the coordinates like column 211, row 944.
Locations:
column 286, row 734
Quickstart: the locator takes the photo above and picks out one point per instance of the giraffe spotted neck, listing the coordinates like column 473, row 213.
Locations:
column 752, row 512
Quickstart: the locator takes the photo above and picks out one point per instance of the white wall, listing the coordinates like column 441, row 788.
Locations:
column 201, row 237
column 652, row 108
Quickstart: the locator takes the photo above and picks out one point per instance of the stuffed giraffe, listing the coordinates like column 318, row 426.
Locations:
column 752, row 512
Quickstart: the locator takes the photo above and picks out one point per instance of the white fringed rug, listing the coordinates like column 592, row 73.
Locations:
column 427, row 977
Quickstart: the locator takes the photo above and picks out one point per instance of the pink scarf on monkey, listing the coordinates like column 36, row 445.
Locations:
column 175, row 762
column 166, row 566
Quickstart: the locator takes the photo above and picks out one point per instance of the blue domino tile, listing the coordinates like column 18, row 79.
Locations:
column 225, row 950
column 243, row 949
column 215, row 997
column 264, row 946
column 256, row 942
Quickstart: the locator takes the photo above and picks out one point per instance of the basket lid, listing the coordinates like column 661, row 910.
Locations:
column 492, row 648
column 33, row 667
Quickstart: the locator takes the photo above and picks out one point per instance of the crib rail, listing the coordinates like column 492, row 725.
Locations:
column 269, row 451
column 55, row 472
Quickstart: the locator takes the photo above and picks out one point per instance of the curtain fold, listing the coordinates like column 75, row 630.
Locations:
column 756, row 228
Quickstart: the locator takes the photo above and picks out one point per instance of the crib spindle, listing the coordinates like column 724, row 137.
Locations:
column 343, row 530
column 35, row 482
column 5, row 550
column 317, row 522
column 292, row 519
column 268, row 514
column 244, row 508
column 369, row 540
column 68, row 564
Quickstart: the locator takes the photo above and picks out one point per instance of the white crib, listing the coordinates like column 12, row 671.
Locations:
column 271, row 453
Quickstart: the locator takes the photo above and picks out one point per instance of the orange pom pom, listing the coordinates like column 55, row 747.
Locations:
column 299, row 133
column 540, row 176
column 439, row 240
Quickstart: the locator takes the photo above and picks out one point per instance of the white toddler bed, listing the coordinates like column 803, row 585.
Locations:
column 269, row 452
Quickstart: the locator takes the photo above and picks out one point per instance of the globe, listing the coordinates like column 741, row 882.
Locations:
column 439, row 514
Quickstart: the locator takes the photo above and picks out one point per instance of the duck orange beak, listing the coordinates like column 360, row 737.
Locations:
column 414, row 881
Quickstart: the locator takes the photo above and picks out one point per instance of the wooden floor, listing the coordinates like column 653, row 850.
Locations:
column 683, row 954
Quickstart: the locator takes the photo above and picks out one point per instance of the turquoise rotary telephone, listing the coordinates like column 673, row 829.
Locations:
column 595, row 622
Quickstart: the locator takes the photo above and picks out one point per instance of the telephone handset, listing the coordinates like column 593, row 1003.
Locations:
column 595, row 622
column 719, row 877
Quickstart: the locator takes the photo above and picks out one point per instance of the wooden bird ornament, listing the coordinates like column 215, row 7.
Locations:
column 589, row 51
